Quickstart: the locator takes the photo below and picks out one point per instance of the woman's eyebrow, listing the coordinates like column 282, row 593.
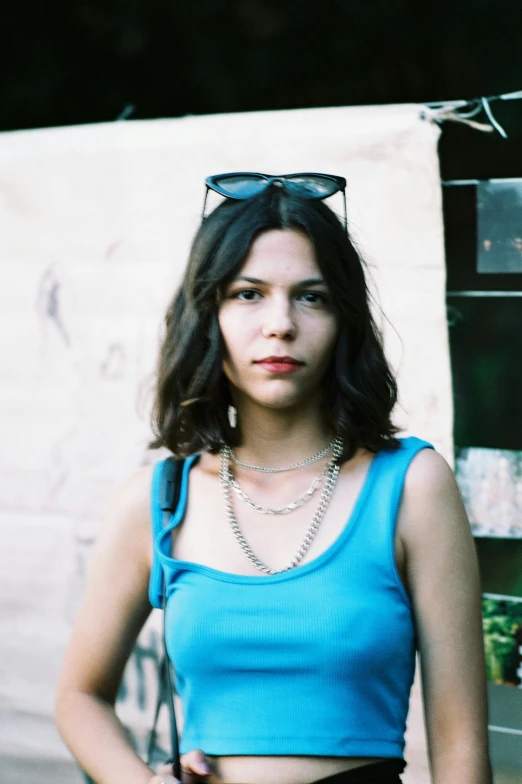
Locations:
column 313, row 282
column 250, row 280
column 306, row 282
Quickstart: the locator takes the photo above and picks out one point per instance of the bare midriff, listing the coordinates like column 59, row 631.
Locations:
column 280, row 770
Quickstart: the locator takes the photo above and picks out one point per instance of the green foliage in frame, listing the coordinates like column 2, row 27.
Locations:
column 502, row 624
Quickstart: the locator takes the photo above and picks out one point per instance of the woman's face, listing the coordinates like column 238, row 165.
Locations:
column 278, row 322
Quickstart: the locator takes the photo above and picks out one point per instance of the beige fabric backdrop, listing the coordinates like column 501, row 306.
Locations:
column 96, row 223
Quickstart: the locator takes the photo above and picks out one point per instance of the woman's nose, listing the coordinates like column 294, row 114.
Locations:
column 279, row 320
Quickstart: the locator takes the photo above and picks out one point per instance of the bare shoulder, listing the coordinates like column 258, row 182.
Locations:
column 432, row 517
column 127, row 518
column 428, row 468
column 132, row 496
column 430, row 482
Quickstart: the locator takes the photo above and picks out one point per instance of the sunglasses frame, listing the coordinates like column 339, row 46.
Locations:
column 211, row 184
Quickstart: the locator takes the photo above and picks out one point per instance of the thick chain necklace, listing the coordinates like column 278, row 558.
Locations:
column 280, row 510
column 291, row 467
column 333, row 471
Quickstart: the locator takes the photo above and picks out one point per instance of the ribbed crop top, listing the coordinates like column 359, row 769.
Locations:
column 317, row 660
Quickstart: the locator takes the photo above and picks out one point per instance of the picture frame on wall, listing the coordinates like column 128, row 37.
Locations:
column 502, row 625
column 490, row 481
column 499, row 240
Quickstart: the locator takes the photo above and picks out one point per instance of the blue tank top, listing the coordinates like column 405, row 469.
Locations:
column 316, row 660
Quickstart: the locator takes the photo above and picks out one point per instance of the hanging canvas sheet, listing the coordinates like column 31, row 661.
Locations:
column 97, row 223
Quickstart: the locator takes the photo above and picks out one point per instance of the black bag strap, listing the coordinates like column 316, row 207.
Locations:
column 168, row 500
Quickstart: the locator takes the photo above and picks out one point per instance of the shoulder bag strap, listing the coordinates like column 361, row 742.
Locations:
column 168, row 500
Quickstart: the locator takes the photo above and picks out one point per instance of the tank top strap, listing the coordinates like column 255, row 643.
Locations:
column 374, row 539
column 393, row 468
column 161, row 540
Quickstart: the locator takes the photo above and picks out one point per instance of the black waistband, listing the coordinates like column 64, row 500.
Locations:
column 383, row 771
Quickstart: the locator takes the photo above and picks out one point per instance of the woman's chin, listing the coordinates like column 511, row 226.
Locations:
column 282, row 401
column 280, row 394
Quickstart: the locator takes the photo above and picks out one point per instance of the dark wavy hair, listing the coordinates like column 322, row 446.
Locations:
column 192, row 395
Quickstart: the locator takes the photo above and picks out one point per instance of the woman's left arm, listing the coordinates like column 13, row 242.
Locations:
column 443, row 582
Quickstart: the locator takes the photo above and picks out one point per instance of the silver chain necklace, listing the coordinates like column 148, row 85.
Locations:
column 281, row 510
column 333, row 471
column 291, row 467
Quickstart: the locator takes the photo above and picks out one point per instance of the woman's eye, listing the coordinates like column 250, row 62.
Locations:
column 314, row 297
column 246, row 294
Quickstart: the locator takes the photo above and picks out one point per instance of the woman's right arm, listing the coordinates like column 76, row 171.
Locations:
column 114, row 608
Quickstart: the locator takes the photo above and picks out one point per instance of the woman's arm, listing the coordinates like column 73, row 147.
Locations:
column 114, row 608
column 443, row 582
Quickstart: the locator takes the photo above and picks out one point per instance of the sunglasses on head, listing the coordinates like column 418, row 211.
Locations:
column 245, row 185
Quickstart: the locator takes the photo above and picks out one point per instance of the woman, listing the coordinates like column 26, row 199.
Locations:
column 298, row 596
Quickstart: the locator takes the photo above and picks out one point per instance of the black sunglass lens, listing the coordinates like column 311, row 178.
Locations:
column 315, row 185
column 242, row 187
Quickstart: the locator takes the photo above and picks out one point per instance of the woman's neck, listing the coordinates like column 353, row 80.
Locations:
column 274, row 438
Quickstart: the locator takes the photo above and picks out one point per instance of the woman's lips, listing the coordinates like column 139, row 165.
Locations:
column 279, row 364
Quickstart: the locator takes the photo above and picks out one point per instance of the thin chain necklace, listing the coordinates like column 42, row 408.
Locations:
column 281, row 510
column 333, row 470
column 291, row 467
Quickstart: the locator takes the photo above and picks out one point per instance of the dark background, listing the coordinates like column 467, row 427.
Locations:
column 85, row 61
column 82, row 61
